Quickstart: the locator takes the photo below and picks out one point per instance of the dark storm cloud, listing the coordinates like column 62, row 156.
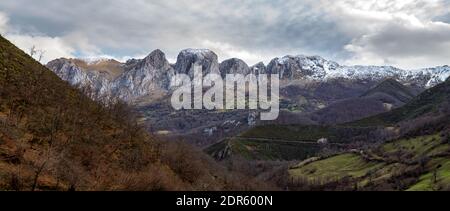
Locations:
column 345, row 30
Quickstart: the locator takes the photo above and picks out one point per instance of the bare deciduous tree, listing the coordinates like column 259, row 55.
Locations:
column 41, row 54
column 37, row 52
column 33, row 51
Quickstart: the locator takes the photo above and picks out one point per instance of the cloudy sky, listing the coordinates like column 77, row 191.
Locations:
column 403, row 33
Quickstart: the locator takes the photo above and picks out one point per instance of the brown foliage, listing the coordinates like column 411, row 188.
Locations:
column 55, row 137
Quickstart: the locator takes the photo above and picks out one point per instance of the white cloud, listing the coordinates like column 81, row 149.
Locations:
column 404, row 45
column 3, row 23
column 399, row 33
column 227, row 51
column 53, row 47
column 82, row 44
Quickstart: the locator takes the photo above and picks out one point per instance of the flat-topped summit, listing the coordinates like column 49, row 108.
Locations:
column 207, row 59
column 234, row 66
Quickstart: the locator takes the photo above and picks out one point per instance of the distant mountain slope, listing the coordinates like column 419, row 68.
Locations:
column 111, row 67
column 393, row 88
column 430, row 102
column 384, row 97
column 53, row 137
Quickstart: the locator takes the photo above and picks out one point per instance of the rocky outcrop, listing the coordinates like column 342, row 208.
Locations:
column 140, row 77
column 299, row 67
column 188, row 58
column 68, row 70
column 148, row 76
column 233, row 66
column 259, row 68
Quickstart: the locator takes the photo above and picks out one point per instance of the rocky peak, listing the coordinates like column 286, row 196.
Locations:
column 203, row 57
column 259, row 68
column 156, row 58
column 131, row 62
column 233, row 66
column 436, row 75
column 144, row 77
column 57, row 64
column 76, row 72
column 68, row 70
column 297, row 67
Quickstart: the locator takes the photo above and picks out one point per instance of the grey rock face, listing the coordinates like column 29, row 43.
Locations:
column 143, row 77
column 148, row 76
column 188, row 58
column 69, row 71
column 259, row 68
column 298, row 67
column 233, row 66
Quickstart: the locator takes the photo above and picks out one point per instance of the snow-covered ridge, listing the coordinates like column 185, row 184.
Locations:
column 196, row 50
column 319, row 69
column 95, row 60
column 431, row 76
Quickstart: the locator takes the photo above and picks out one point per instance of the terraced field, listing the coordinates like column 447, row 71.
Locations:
column 263, row 149
column 421, row 163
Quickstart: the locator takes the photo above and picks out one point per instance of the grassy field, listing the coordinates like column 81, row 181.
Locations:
column 307, row 133
column 340, row 166
column 256, row 149
column 416, row 164
column 435, row 180
column 289, row 132
column 417, row 147
column 288, row 142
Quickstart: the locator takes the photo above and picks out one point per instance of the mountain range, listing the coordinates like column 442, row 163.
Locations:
column 151, row 76
column 310, row 85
